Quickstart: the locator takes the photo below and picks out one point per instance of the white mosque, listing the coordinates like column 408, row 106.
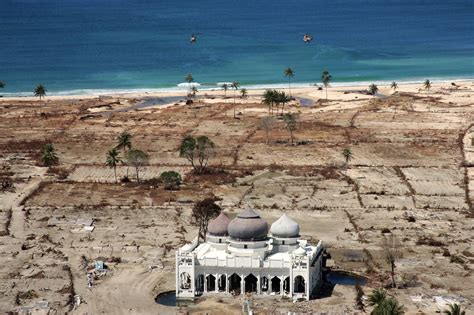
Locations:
column 239, row 256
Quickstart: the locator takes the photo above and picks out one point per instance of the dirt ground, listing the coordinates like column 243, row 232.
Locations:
column 411, row 175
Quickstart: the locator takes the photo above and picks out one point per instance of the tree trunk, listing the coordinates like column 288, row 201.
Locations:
column 138, row 179
column 115, row 173
column 289, row 85
column 291, row 136
column 267, row 138
column 392, row 265
column 326, row 93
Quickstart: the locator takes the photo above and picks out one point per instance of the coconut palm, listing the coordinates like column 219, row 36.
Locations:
column 427, row 85
column 454, row 309
column 244, row 93
column 235, row 85
column 282, row 99
column 2, row 84
column 112, row 160
column 373, row 89
column 347, row 154
column 326, row 79
column 269, row 97
column 225, row 87
column 189, row 78
column 389, row 306
column 289, row 73
column 394, row 85
column 194, row 91
column 377, row 297
column 48, row 155
column 124, row 142
column 40, row 91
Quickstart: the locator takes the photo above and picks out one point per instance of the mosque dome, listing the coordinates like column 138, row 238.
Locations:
column 285, row 227
column 248, row 226
column 218, row 226
column 300, row 251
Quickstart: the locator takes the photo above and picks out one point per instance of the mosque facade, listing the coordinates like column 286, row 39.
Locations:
column 245, row 256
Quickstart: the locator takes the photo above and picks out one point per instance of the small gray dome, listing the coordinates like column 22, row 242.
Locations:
column 218, row 226
column 248, row 226
column 285, row 227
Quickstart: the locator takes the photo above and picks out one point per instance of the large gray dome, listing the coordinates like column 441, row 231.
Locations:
column 248, row 226
column 218, row 226
column 285, row 227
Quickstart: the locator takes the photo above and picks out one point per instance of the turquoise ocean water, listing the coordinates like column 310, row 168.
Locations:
column 84, row 46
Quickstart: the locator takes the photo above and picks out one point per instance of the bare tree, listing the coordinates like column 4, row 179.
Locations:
column 392, row 253
column 137, row 159
column 267, row 124
column 197, row 151
column 203, row 211
column 291, row 121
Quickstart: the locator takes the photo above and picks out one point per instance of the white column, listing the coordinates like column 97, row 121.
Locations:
column 242, row 285
column 282, row 284
column 259, row 289
column 227, row 283
column 205, row 283
column 216, row 289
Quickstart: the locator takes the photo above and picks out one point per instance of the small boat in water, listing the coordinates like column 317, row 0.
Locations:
column 307, row 38
column 193, row 39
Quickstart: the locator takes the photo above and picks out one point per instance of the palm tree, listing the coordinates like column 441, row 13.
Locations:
column 388, row 307
column 2, row 84
column 48, row 155
column 282, row 99
column 326, row 78
column 347, row 154
column 189, row 78
column 235, row 85
column 244, row 93
column 289, row 73
column 40, row 91
column 269, row 99
column 124, row 142
column 427, row 85
column 394, row 85
column 377, row 297
column 373, row 89
column 454, row 309
column 194, row 90
column 112, row 160
column 225, row 87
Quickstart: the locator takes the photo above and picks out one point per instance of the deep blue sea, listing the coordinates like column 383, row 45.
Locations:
column 73, row 46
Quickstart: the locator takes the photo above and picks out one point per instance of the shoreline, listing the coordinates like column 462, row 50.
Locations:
column 340, row 91
column 171, row 91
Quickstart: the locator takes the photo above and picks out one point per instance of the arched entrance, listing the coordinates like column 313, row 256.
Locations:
column 221, row 283
column 286, row 285
column 211, row 283
column 234, row 283
column 250, row 283
column 264, row 284
column 200, row 283
column 299, row 285
column 276, row 285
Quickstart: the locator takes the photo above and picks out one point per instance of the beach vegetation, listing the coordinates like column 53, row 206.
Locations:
column 235, row 85
column 225, row 87
column 270, row 98
column 189, row 78
column 373, row 89
column 454, row 309
column 112, row 160
column 291, row 120
column 394, row 85
column 392, row 253
column 171, row 180
column 427, row 85
column 2, row 84
column 138, row 159
column 48, row 155
column 40, row 91
column 289, row 73
column 383, row 304
column 266, row 124
column 203, row 211
column 194, row 91
column 244, row 93
column 282, row 98
column 347, row 154
column 326, row 79
column 124, row 142
column 198, row 151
